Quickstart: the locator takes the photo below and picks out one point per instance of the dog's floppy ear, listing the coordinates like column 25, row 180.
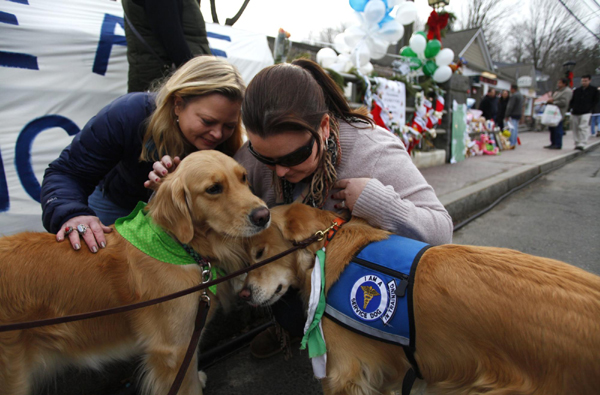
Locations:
column 169, row 209
column 301, row 221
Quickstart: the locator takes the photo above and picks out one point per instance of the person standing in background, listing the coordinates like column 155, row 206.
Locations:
column 583, row 102
column 502, row 103
column 595, row 121
column 561, row 99
column 514, row 111
column 489, row 105
column 161, row 36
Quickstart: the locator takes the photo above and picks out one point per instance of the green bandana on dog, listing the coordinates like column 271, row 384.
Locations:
column 140, row 230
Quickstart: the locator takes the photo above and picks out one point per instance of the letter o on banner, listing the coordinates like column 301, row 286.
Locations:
column 25, row 143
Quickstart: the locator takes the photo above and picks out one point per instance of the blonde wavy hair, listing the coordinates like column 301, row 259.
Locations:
column 200, row 76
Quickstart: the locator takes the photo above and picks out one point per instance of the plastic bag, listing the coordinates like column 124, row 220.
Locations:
column 551, row 115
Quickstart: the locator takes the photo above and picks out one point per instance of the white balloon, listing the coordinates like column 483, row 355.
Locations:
column 444, row 57
column 442, row 74
column 339, row 43
column 377, row 46
column 364, row 55
column 374, row 11
column 393, row 3
column 392, row 31
column 337, row 67
column 353, row 35
column 345, row 63
column 366, row 69
column 407, row 13
column 326, row 57
column 417, row 43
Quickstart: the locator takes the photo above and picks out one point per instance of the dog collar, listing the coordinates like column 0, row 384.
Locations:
column 337, row 224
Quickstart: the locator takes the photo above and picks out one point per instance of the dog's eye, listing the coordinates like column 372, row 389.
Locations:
column 259, row 253
column 243, row 177
column 214, row 189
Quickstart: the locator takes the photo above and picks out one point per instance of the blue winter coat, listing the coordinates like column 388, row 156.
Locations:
column 106, row 153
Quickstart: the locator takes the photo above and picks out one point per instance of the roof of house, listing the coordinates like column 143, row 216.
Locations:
column 471, row 45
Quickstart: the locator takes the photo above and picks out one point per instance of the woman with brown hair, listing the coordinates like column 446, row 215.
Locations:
column 197, row 108
column 306, row 144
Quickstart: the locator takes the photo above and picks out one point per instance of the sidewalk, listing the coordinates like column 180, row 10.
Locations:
column 468, row 186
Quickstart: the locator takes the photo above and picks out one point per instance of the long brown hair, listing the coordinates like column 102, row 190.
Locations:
column 200, row 76
column 295, row 97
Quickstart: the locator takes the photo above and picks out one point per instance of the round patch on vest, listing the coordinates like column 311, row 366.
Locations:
column 369, row 297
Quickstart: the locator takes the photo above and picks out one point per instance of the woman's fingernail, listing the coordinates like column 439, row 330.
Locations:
column 164, row 172
column 157, row 179
column 77, row 246
column 168, row 165
column 103, row 245
column 59, row 239
column 94, row 249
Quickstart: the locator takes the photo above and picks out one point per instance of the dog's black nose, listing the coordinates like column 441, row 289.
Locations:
column 260, row 216
column 245, row 293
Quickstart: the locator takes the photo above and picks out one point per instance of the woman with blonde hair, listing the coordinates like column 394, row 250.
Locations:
column 197, row 108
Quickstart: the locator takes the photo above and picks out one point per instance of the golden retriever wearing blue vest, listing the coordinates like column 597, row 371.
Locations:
column 488, row 320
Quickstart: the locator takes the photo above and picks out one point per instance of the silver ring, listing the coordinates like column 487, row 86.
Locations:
column 343, row 204
column 81, row 228
column 68, row 230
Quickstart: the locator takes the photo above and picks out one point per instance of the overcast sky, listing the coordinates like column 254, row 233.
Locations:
column 300, row 17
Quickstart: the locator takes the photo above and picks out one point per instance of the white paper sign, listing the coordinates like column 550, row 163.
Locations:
column 393, row 96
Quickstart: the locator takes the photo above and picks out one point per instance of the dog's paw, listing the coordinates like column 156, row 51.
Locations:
column 203, row 378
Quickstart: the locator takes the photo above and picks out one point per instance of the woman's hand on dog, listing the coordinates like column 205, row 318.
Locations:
column 93, row 236
column 350, row 190
column 160, row 169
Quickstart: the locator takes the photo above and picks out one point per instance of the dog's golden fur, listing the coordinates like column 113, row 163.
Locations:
column 42, row 279
column 488, row 320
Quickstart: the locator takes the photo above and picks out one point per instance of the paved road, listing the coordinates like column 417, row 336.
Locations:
column 557, row 216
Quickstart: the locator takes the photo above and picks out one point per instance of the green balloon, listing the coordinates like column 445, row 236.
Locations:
column 415, row 63
column 408, row 52
column 429, row 68
column 422, row 34
column 433, row 48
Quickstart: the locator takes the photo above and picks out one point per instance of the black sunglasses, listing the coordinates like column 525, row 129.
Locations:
column 290, row 160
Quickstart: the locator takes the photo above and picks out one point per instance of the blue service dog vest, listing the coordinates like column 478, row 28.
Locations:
column 373, row 295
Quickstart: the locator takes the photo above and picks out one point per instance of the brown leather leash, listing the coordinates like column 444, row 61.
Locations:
column 201, row 314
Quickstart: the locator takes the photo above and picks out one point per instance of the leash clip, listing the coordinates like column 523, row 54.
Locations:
column 320, row 234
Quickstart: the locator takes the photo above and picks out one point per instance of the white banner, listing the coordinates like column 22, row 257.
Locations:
column 60, row 63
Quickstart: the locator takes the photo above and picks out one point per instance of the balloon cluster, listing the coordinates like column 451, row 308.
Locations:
column 377, row 30
column 429, row 56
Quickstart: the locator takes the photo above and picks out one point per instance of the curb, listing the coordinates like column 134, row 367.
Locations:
column 465, row 202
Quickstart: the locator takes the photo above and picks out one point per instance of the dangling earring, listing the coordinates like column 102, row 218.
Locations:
column 177, row 120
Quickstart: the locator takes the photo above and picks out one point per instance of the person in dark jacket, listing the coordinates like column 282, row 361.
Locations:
column 489, row 105
column 161, row 35
column 582, row 104
column 514, row 111
column 101, row 175
column 502, row 103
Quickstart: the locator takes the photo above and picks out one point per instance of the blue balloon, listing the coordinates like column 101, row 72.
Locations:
column 385, row 19
column 358, row 5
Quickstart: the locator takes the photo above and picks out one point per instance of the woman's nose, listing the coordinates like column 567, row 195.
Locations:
column 281, row 171
column 217, row 132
